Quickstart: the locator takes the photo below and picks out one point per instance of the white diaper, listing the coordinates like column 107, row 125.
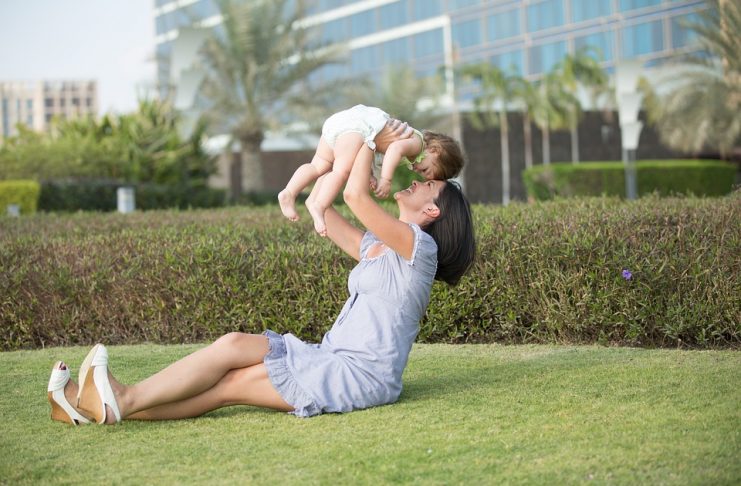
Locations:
column 365, row 120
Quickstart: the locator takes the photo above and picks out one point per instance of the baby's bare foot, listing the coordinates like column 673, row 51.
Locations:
column 287, row 201
column 317, row 213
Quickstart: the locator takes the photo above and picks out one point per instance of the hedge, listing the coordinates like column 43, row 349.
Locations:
column 100, row 195
column 546, row 273
column 665, row 177
column 23, row 193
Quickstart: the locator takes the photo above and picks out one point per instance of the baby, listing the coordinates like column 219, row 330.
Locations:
column 431, row 155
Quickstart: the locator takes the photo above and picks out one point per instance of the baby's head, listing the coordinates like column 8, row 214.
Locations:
column 443, row 158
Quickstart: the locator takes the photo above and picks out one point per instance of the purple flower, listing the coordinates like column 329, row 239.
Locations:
column 626, row 274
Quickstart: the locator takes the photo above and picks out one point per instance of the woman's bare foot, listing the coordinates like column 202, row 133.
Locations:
column 287, row 202
column 317, row 213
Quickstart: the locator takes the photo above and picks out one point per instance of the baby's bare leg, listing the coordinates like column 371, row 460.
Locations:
column 345, row 150
column 305, row 175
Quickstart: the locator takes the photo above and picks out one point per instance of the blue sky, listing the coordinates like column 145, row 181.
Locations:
column 111, row 41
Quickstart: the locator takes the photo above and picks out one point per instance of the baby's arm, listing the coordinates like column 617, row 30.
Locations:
column 408, row 147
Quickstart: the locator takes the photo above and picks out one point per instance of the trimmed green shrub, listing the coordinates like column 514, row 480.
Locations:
column 665, row 177
column 23, row 193
column 546, row 272
column 100, row 195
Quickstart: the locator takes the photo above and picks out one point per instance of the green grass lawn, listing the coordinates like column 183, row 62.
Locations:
column 469, row 414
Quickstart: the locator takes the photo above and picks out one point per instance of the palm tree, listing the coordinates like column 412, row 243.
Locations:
column 256, row 74
column 497, row 88
column 527, row 93
column 581, row 69
column 552, row 110
column 704, row 109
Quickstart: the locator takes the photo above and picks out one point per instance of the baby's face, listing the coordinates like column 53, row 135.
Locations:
column 427, row 167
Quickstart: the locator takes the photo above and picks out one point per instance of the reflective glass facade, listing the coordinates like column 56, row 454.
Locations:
column 528, row 37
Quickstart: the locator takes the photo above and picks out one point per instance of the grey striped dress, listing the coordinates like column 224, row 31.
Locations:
column 360, row 360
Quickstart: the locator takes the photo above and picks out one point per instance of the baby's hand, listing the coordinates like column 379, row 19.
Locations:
column 373, row 183
column 383, row 188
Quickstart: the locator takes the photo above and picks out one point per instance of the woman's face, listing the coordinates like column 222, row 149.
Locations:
column 419, row 195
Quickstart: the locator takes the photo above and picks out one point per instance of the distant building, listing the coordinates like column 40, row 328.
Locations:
column 35, row 103
column 526, row 36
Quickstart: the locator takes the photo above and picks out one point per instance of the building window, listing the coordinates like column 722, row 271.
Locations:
column 456, row 4
column 426, row 8
column 503, row 25
column 29, row 105
column 49, row 102
column 511, row 62
column 335, row 31
column 393, row 15
column 325, row 5
column 682, row 35
column 62, row 102
column 364, row 59
column 467, row 34
column 599, row 44
column 395, row 51
column 362, row 23
column 590, row 9
column 75, row 101
column 545, row 56
column 633, row 4
column 204, row 9
column 643, row 39
column 544, row 15
column 428, row 43
column 88, row 102
column 29, row 121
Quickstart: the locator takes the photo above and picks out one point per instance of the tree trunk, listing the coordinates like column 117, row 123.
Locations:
column 574, row 142
column 252, row 180
column 504, row 131
column 546, row 138
column 235, row 175
column 528, row 136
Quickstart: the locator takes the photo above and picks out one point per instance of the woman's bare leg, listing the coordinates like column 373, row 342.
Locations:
column 305, row 175
column 192, row 375
column 346, row 149
column 243, row 386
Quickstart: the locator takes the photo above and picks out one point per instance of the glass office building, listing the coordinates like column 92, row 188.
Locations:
column 524, row 36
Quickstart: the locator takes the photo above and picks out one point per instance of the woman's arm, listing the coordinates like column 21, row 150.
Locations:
column 339, row 230
column 408, row 147
column 396, row 234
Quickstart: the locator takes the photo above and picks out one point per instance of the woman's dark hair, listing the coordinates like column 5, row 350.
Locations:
column 453, row 233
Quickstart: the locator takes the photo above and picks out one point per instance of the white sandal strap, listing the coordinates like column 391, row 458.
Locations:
column 58, row 379
column 102, row 384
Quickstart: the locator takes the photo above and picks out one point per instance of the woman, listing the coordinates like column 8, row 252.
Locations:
column 360, row 360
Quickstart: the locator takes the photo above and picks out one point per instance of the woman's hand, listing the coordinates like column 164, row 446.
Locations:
column 400, row 129
column 394, row 130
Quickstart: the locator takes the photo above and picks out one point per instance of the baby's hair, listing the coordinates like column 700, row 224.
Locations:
column 449, row 155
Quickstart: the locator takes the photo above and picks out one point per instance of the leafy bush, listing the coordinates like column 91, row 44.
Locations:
column 666, row 177
column 100, row 195
column 23, row 193
column 144, row 146
column 548, row 272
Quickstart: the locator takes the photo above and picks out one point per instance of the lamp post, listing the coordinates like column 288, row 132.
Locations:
column 450, row 97
column 629, row 104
